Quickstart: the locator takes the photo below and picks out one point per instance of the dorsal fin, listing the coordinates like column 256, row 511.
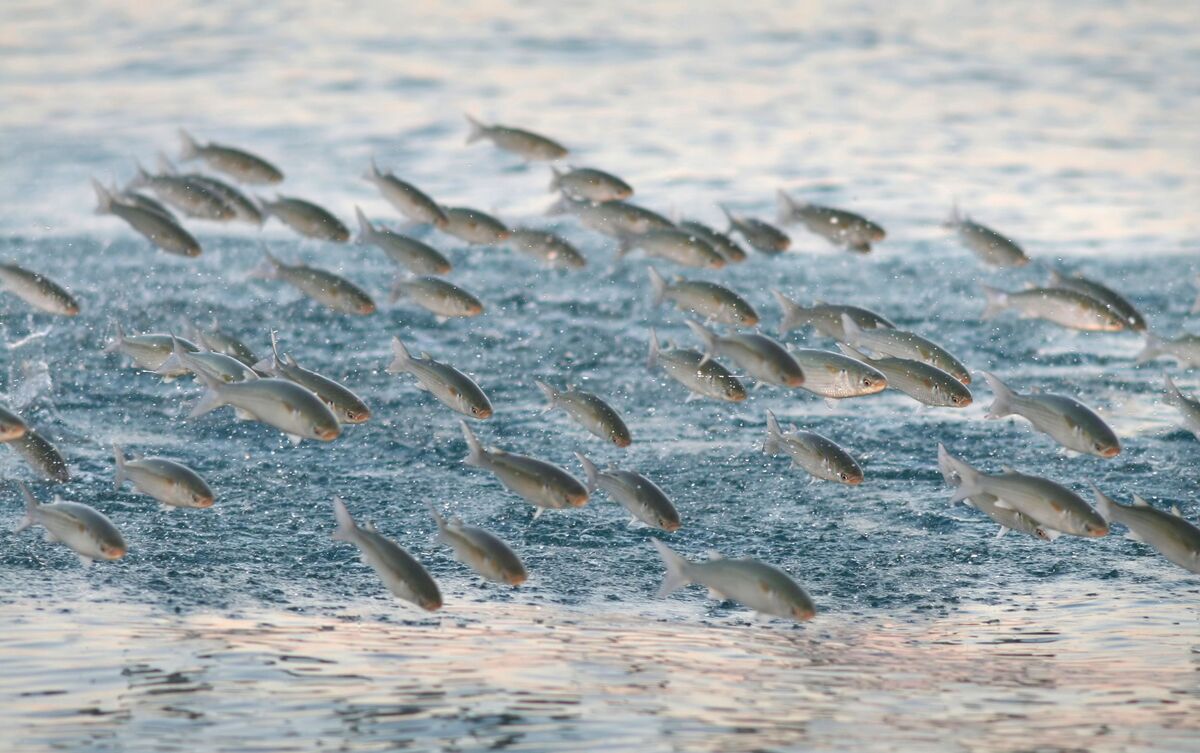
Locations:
column 1139, row 502
column 1176, row 511
column 1007, row 469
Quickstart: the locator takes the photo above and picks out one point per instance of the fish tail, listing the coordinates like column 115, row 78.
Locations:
column 1173, row 393
column 968, row 477
column 346, row 528
column 550, row 393
column 773, row 444
column 365, row 230
column 211, row 399
column 476, row 455
column 372, row 171
column 677, row 570
column 1002, row 403
column 118, row 339
column 954, row 218
column 785, row 207
column 270, row 364
column 729, row 217
column 555, row 178
column 1152, row 348
column 1105, row 505
column 268, row 268
column 793, row 313
column 164, row 164
column 31, row 506
column 652, row 358
column 188, row 148
column 590, row 470
column 104, row 198
column 437, row 518
column 178, row 360
column 478, row 130
column 997, row 301
column 851, row 330
column 706, row 337
column 119, row 457
column 658, row 285
column 401, row 360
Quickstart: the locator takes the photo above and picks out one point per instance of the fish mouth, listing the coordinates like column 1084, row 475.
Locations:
column 736, row 397
column 328, row 435
column 515, row 579
column 750, row 321
column 9, row 433
column 577, row 500
column 71, row 310
column 1097, row 532
column 366, row 308
column 474, row 310
column 965, row 378
column 716, row 264
column 113, row 552
column 430, row 605
column 481, row 413
column 803, row 614
column 854, row 480
column 1110, row 452
column 622, row 441
column 671, row 526
column 794, row 381
column 357, row 417
column 203, row 502
column 964, row 402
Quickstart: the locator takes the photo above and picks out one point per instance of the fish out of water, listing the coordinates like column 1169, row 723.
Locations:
column 243, row 209
column 762, row 236
column 41, row 456
column 727, row 247
column 826, row 318
column 324, row 287
column 901, row 344
column 551, row 249
column 835, row 376
column 751, row 583
column 12, row 426
column 1184, row 350
column 589, row 183
column 838, row 226
column 922, row 382
column 528, row 145
column 613, row 218
column 1189, row 408
column 37, row 290
column 453, row 388
column 239, row 164
column 991, row 247
column 189, row 196
column 1166, row 532
column 217, row 366
column 1129, row 314
column 480, row 550
column 85, row 530
column 403, row 575
column 821, row 457
column 1066, row 308
column 306, row 218
column 640, row 496
column 1066, row 420
column 157, row 228
column 219, row 341
column 171, row 483
column 590, row 412
column 148, row 351
column 280, row 403
column 1009, row 519
column 142, row 201
column 474, row 226
column 443, row 299
column 409, row 253
column 703, row 376
column 409, row 200
column 542, row 484
column 761, row 357
column 712, row 301
column 347, row 406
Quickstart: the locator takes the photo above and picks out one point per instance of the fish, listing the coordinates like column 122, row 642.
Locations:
column 1066, row 308
column 187, row 195
column 409, row 253
column 453, row 388
column 761, row 357
column 589, row 183
column 403, row 575
column 826, row 318
column 1165, row 532
column 751, row 583
column 41, row 456
column 1009, row 519
column 216, row 366
column 590, row 412
column 443, row 299
column 148, row 352
column 543, row 485
column 37, row 290
column 219, row 341
column 1115, row 301
column 171, row 483
column 714, row 302
column 480, row 550
column 902, row 344
column 348, row 407
column 672, row 245
column 243, row 209
column 703, row 376
column 991, row 247
column 840, row 227
column 834, row 376
column 762, row 236
column 474, row 226
column 159, row 229
column 1189, row 408
column 820, row 457
column 324, row 287
column 528, row 145
column 727, row 247
column 409, row 200
column 613, row 218
column 12, row 426
column 551, row 249
column 922, row 382
column 1184, row 350
column 279, row 403
column 1051, row 505
column 142, row 201
column 305, row 218
column 640, row 496
column 1066, row 420
column 239, row 164
column 83, row 529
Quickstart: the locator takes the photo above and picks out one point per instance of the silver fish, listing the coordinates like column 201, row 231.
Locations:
column 1052, row 505
column 12, row 426
column 41, row 456
column 218, row 341
column 409, row 253
column 640, row 496
column 721, row 243
column 838, row 226
column 703, row 376
column 324, row 287
column 37, row 290
column 1066, row 308
column 834, row 376
column 306, row 218
column 1129, row 314
column 474, row 226
column 673, row 245
column 237, row 163
column 762, row 236
column 901, row 344
column 142, row 201
column 589, row 183
column 1189, row 408
column 453, row 388
column 403, row 575
column 409, row 200
column 216, row 366
column 544, row 485
column 714, row 302
column 480, row 550
column 159, row 229
column 590, row 412
column 819, row 456
column 148, row 352
column 347, row 406
column 1184, row 350
column 991, row 247
column 760, row 356
column 551, row 249
column 922, row 382
column 171, row 483
column 751, row 583
column 1166, row 532
column 528, row 145
column 1009, row 519
column 826, row 318
column 185, row 194
column 85, row 530
column 439, row 297
column 280, row 403
column 614, row 218
column 1068, row 421
column 243, row 209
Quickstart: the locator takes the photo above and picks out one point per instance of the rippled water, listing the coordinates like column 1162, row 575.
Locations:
column 246, row 627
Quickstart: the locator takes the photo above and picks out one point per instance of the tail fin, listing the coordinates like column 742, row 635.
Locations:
column 400, row 358
column 478, row 130
column 118, row 339
column 372, row 171
column 729, row 216
column 555, row 178
column 590, row 470
column 165, row 166
column 658, row 285
column 1151, row 349
column 346, row 529
column 774, row 443
column 1002, row 403
column 969, row 479
column 437, row 518
column 785, row 207
column 211, row 400
column 677, row 570
column 177, row 361
column 104, row 198
column 140, row 177
column 268, row 268
column 365, row 230
column 793, row 313
column 706, row 336
column 652, row 358
column 476, row 455
column 955, row 218
column 119, row 457
column 997, row 301
column 1173, row 393
column 188, row 148
column 1105, row 505
column 31, row 506
column 851, row 330
column 551, row 395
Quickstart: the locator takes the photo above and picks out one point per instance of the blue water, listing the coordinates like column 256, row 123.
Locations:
column 1049, row 122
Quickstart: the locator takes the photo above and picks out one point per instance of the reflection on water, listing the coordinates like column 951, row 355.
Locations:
column 1094, row 673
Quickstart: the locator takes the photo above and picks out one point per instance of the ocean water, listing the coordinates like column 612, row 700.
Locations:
column 245, row 627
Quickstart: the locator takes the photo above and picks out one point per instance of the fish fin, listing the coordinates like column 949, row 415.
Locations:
column 1007, row 469
column 774, row 441
column 1003, row 530
column 211, row 399
column 997, row 302
column 104, row 198
column 400, row 357
column 1003, row 505
column 792, row 313
column 658, row 286
column 785, row 207
column 478, row 130
column 729, row 217
column 476, row 455
column 164, row 507
column 365, row 229
column 176, row 362
column 189, row 149
column 372, row 171
column 1139, row 502
column 31, row 506
column 555, row 178
column 551, row 396
column 853, row 353
column 652, row 358
column 165, row 166
column 1002, row 402
column 538, row 512
column 267, row 269
column 85, row 561
column 346, row 529
column 295, row 439
column 707, row 337
column 1173, row 393
column 1105, row 505
column 590, row 470
column 969, row 477
column 140, row 176
column 118, row 339
column 1134, row 536
column 1176, row 511
column 1049, row 534
column 119, row 457
column 715, row 595
column 1152, row 348
column 437, row 518
column 692, row 397
column 677, row 569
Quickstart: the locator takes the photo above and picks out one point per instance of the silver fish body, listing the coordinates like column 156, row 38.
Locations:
column 1066, row 420
column 12, row 426
column 403, row 575
column 279, row 403
column 171, row 483
column 1189, row 408
column 836, row 376
column 474, row 226
column 409, row 253
column 675, row 246
column 237, row 163
column 41, row 455
column 763, row 358
column 324, row 287
column 1127, row 311
column 901, row 344
column 481, row 550
column 727, row 247
column 590, row 412
column 216, row 366
column 243, row 208
column 185, row 194
column 527, row 144
column 754, row 584
column 1184, row 350
column 37, row 290
column 159, row 229
column 762, row 236
column 453, row 388
column 614, row 218
column 1064, row 307
column 1008, row 518
column 838, row 226
column 85, row 530
column 409, row 200
column 149, row 351
column 348, row 407
column 142, row 201
column 437, row 296
column 821, row 457
column 703, row 376
column 922, row 382
column 991, row 247
column 551, row 249
column 544, row 485
column 589, row 183
column 826, row 318
column 1167, row 533
column 712, row 301
column 218, row 341
column 306, row 218
column 640, row 496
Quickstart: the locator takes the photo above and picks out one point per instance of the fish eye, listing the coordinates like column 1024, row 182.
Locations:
column 866, row 381
column 843, row 476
